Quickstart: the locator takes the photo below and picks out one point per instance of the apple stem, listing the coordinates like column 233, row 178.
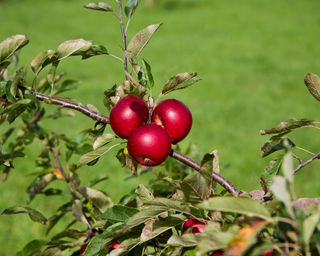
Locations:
column 226, row 184
column 124, row 39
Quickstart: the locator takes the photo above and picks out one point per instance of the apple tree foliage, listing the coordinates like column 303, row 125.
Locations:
column 150, row 219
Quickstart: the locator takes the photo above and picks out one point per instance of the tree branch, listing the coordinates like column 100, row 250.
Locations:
column 215, row 176
column 308, row 161
column 103, row 119
column 56, row 157
column 124, row 39
column 72, row 105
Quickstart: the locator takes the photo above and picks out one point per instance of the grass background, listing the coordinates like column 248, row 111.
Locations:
column 252, row 56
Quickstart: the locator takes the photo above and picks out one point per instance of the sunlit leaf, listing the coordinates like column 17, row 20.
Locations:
column 42, row 60
column 287, row 126
column 180, row 81
column 245, row 238
column 279, row 189
column 102, row 140
column 312, row 81
column 241, row 205
column 77, row 211
column 144, row 194
column 100, row 6
column 287, row 166
column 169, row 204
column 309, row 226
column 73, row 47
column 97, row 197
column 141, row 39
column 95, row 154
column 10, row 45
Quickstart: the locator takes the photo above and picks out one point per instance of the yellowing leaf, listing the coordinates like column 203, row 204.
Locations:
column 245, row 237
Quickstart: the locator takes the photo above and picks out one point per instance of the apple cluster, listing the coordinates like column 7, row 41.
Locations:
column 150, row 135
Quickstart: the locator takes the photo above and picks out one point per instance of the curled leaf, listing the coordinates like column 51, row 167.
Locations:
column 141, row 39
column 101, row 6
column 180, row 81
column 287, row 126
column 130, row 7
column 312, row 81
column 10, row 45
column 33, row 214
column 73, row 47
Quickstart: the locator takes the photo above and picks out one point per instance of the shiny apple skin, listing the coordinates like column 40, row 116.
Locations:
column 149, row 145
column 174, row 117
column 127, row 115
column 193, row 225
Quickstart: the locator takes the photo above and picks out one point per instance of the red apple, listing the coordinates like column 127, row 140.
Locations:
column 217, row 253
column 83, row 249
column 194, row 225
column 114, row 245
column 128, row 114
column 267, row 253
column 174, row 117
column 149, row 145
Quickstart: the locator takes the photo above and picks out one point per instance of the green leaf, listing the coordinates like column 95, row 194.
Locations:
column 98, row 180
column 32, row 248
column 98, row 198
column 144, row 194
column 16, row 109
column 94, row 51
column 272, row 169
column 275, row 144
column 279, row 189
column 180, row 81
column 95, row 154
column 169, row 204
column 241, row 205
column 100, row 6
column 33, row 214
column 73, row 47
column 144, row 215
column 312, row 81
column 196, row 187
column 210, row 163
column 10, row 45
column 39, row 184
column 309, row 226
column 130, row 7
column 98, row 242
column 146, row 75
column 287, row 126
column 141, row 39
column 77, row 211
column 187, row 240
column 162, row 225
column 287, row 166
column 103, row 140
column 118, row 213
column 42, row 60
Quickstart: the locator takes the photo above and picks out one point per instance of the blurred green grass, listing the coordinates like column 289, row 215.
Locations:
column 252, row 56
